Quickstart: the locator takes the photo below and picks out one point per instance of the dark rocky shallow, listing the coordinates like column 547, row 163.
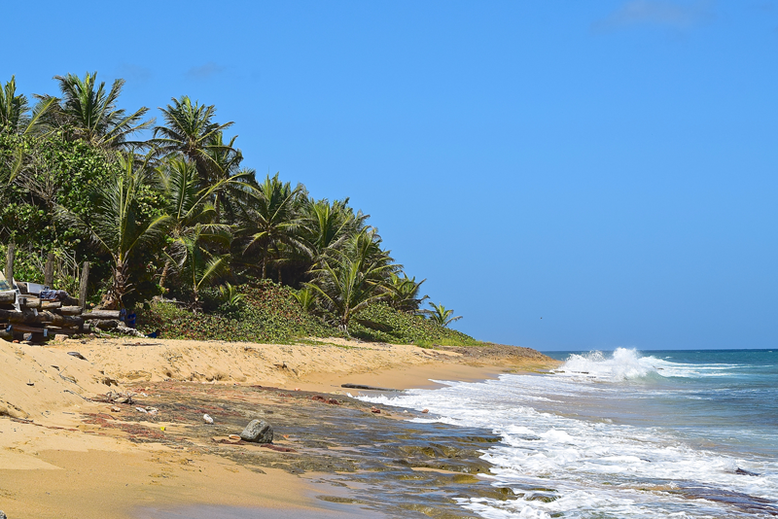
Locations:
column 370, row 461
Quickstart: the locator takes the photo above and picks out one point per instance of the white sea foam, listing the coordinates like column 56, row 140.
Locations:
column 592, row 466
column 628, row 364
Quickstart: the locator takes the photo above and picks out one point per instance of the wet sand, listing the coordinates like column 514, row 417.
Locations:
column 63, row 453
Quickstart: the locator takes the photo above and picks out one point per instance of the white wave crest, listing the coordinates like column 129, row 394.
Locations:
column 624, row 364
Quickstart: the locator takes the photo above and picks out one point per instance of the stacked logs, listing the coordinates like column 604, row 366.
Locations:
column 43, row 319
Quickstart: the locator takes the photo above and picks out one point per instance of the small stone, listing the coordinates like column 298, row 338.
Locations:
column 2, row 515
column 208, row 418
column 425, row 411
column 258, row 431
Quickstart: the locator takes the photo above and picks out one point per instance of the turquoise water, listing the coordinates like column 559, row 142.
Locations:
column 625, row 434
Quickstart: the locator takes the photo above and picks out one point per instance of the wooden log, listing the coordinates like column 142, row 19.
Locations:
column 60, row 320
column 107, row 324
column 25, row 328
column 101, row 314
column 9, row 264
column 30, row 317
column 83, row 284
column 28, row 301
column 12, row 316
column 70, row 310
column 7, row 297
column 69, row 301
column 50, row 305
column 48, row 272
column 61, row 330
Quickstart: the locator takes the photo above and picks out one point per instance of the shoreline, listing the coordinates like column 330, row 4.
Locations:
column 81, row 458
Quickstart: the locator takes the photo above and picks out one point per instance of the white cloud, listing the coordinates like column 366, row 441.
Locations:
column 205, row 71
column 660, row 13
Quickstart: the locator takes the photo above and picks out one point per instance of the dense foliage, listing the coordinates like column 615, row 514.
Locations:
column 177, row 217
column 380, row 322
column 265, row 313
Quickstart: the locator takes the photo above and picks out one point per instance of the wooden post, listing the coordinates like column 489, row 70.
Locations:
column 9, row 264
column 48, row 273
column 83, row 282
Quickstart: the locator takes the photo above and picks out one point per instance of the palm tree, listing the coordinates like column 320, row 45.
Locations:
column 403, row 293
column 117, row 224
column 325, row 227
column 271, row 222
column 190, row 130
column 193, row 225
column 15, row 116
column 306, row 297
column 225, row 162
column 439, row 315
column 13, row 108
column 200, row 264
column 352, row 279
column 88, row 111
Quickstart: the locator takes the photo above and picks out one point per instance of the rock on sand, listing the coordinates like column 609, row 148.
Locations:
column 258, row 431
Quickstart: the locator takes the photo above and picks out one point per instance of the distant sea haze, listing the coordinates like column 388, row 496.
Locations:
column 686, row 434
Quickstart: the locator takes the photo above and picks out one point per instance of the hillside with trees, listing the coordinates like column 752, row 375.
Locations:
column 176, row 228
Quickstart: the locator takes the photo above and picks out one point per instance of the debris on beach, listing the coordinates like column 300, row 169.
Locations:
column 365, row 388
column 319, row 398
column 119, row 398
column 257, row 431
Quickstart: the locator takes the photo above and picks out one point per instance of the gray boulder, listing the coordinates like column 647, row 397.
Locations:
column 258, row 431
column 2, row 515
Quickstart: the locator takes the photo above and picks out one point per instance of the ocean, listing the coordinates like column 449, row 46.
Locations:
column 623, row 434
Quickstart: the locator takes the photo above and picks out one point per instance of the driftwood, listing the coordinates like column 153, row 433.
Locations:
column 101, row 314
column 71, row 310
column 24, row 328
column 106, row 324
column 62, row 331
column 43, row 317
column 29, row 302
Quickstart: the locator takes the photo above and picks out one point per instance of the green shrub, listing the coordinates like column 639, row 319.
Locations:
column 380, row 322
column 267, row 313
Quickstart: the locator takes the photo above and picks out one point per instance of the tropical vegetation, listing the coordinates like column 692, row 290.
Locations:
column 175, row 227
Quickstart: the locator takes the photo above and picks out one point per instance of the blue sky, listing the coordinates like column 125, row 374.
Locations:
column 608, row 166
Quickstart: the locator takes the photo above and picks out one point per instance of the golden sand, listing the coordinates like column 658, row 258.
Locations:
column 53, row 464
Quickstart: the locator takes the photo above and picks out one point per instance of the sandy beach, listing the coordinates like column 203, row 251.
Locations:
column 68, row 451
